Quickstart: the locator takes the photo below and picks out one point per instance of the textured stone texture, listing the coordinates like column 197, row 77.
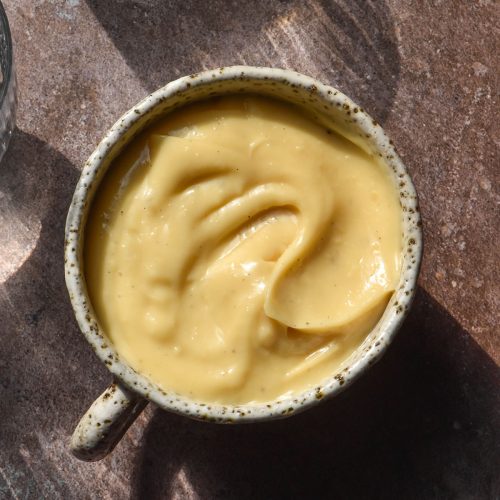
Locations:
column 425, row 422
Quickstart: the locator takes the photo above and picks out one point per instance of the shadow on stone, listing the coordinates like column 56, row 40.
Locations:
column 44, row 360
column 354, row 48
column 423, row 423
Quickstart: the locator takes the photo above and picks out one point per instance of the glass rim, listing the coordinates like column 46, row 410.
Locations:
column 4, row 24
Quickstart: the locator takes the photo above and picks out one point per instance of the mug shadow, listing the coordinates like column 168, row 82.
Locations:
column 44, row 360
column 424, row 423
column 351, row 45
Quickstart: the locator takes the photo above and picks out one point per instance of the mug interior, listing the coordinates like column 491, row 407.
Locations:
column 331, row 109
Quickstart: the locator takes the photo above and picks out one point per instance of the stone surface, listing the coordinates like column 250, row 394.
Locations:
column 425, row 422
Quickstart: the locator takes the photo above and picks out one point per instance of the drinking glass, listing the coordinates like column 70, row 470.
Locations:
column 8, row 98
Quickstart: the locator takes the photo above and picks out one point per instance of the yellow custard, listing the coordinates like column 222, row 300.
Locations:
column 237, row 252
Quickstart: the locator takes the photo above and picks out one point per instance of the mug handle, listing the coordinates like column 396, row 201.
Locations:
column 105, row 422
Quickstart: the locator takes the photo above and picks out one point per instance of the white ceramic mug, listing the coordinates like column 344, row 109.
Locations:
column 111, row 414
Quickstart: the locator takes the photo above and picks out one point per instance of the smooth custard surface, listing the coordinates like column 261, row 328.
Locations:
column 237, row 251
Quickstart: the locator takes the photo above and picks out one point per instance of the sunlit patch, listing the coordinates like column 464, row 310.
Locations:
column 182, row 487
column 18, row 242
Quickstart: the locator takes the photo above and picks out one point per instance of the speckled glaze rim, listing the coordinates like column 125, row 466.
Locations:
column 287, row 85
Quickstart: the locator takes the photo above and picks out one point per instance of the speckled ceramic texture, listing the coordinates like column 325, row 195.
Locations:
column 332, row 109
column 105, row 422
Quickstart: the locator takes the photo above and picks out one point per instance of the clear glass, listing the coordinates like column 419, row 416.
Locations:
column 8, row 95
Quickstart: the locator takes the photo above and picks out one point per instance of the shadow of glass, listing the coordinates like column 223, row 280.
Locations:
column 351, row 45
column 44, row 359
column 424, row 423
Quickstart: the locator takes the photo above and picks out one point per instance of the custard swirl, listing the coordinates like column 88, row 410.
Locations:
column 237, row 252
